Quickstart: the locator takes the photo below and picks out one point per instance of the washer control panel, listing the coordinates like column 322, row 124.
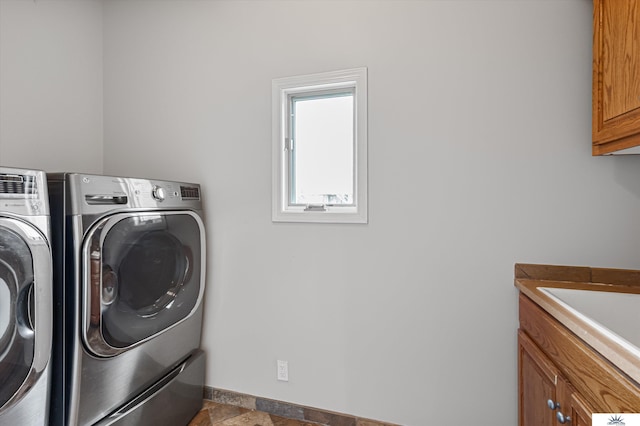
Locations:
column 23, row 192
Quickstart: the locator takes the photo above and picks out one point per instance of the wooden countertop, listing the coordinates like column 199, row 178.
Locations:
column 530, row 279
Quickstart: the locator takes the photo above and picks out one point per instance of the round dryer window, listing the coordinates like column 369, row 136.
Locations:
column 158, row 264
column 145, row 276
column 17, row 337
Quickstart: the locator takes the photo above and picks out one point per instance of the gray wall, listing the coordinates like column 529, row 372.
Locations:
column 479, row 157
column 51, row 84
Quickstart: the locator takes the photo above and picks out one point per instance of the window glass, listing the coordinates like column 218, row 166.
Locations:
column 322, row 151
column 16, row 331
column 6, row 310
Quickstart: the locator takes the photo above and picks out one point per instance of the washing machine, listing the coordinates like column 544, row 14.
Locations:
column 25, row 297
column 129, row 277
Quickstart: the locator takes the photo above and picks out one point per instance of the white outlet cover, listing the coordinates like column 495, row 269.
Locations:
column 283, row 371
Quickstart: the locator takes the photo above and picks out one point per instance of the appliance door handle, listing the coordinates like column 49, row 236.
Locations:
column 24, row 310
column 102, row 199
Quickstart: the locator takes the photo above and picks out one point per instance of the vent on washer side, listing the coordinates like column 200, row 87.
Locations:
column 189, row 192
column 18, row 184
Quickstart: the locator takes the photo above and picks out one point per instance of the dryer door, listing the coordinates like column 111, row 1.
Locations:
column 25, row 308
column 143, row 275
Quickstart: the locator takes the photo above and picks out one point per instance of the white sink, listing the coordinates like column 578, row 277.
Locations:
column 615, row 313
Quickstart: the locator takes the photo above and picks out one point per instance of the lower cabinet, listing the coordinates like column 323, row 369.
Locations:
column 562, row 380
column 546, row 397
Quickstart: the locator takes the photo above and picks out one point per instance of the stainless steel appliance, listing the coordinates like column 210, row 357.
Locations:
column 25, row 297
column 129, row 265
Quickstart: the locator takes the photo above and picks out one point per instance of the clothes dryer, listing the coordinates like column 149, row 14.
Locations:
column 25, row 297
column 129, row 270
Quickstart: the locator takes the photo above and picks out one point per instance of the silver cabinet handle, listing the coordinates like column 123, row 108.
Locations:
column 553, row 405
column 562, row 419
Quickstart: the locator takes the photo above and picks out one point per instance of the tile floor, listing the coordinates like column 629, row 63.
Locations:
column 215, row 414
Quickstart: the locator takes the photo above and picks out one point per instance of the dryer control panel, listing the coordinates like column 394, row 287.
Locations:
column 95, row 194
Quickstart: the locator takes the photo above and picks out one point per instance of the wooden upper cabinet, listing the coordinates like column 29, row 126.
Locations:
column 616, row 76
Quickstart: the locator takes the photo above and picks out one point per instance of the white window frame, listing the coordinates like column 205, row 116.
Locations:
column 282, row 89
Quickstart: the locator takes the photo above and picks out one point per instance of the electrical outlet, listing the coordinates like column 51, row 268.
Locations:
column 283, row 371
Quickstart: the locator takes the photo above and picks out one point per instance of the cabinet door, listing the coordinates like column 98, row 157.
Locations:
column 537, row 379
column 574, row 410
column 616, row 75
column 580, row 411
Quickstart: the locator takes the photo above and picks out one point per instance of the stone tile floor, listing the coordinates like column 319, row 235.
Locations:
column 215, row 414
